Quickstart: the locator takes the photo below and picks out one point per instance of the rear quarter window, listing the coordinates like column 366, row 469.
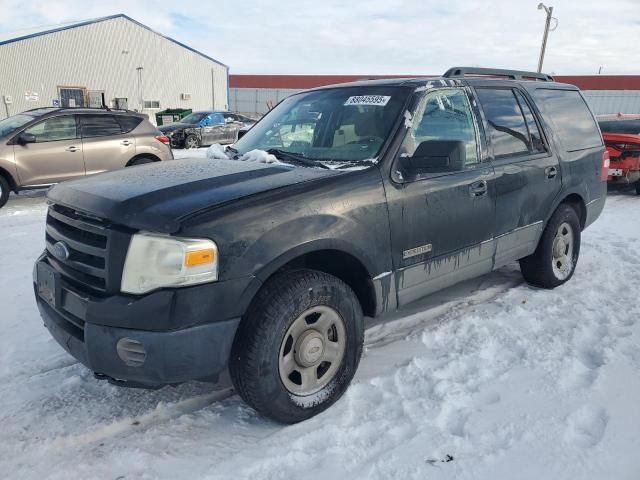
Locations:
column 128, row 123
column 570, row 117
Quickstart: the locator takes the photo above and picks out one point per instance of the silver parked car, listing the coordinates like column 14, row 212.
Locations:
column 49, row 145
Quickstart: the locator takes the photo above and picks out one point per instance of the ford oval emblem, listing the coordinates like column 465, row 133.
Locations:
column 60, row 251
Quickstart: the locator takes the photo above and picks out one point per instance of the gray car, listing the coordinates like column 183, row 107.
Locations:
column 206, row 127
column 45, row 146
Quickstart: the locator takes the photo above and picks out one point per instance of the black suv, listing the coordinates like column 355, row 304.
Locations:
column 362, row 198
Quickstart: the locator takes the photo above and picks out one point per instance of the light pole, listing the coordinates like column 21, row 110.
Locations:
column 140, row 96
column 549, row 11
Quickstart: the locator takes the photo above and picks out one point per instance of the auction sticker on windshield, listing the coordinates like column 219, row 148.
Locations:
column 380, row 100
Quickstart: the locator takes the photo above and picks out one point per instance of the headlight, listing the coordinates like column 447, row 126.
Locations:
column 157, row 261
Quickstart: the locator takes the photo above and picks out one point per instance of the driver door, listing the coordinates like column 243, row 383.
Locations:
column 213, row 129
column 442, row 218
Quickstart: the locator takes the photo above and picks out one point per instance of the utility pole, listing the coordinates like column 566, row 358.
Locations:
column 549, row 11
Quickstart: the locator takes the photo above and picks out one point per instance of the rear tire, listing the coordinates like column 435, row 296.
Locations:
column 191, row 142
column 554, row 261
column 298, row 346
column 5, row 189
column 141, row 161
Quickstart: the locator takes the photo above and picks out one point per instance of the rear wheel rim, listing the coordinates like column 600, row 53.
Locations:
column 562, row 252
column 312, row 350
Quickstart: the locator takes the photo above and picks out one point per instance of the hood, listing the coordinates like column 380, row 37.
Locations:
column 158, row 196
column 176, row 126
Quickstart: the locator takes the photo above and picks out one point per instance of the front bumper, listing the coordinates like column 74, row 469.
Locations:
column 181, row 337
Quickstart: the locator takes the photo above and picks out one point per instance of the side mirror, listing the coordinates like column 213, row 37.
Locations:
column 25, row 138
column 435, row 156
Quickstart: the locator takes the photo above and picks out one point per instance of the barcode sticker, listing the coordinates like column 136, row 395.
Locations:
column 379, row 100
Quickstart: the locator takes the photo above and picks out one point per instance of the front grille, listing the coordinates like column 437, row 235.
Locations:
column 95, row 249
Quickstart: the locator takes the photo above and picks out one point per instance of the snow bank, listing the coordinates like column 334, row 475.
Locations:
column 490, row 379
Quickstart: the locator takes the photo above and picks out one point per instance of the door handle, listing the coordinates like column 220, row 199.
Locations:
column 126, row 143
column 479, row 188
column 72, row 148
column 551, row 172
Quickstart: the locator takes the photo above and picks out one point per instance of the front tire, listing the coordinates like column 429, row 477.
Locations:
column 638, row 187
column 191, row 141
column 4, row 191
column 299, row 345
column 554, row 261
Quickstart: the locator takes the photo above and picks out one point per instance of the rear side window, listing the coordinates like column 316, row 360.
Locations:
column 128, row 123
column 507, row 127
column 535, row 137
column 631, row 127
column 570, row 116
column 99, row 126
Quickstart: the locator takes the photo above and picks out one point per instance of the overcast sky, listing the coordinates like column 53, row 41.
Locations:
column 373, row 36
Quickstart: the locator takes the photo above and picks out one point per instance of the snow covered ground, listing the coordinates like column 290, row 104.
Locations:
column 491, row 379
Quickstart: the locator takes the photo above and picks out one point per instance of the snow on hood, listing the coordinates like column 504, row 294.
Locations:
column 218, row 152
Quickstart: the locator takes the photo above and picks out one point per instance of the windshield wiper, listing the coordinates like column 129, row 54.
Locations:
column 231, row 149
column 295, row 158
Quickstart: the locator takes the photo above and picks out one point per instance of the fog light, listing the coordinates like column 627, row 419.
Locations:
column 131, row 352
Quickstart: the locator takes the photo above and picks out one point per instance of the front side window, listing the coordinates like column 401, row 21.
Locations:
column 215, row 119
column 443, row 116
column 348, row 124
column 99, row 126
column 194, row 118
column 54, row 128
column 507, row 127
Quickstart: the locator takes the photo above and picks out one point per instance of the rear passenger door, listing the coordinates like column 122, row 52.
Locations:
column 104, row 145
column 527, row 171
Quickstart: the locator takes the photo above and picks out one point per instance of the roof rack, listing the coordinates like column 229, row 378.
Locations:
column 497, row 72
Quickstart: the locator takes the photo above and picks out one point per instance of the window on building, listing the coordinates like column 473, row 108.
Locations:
column 152, row 104
column 54, row 129
column 507, row 128
column 99, row 126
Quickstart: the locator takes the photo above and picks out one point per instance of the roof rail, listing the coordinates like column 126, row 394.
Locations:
column 497, row 72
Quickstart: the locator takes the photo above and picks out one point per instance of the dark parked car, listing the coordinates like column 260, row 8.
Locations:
column 206, row 128
column 386, row 191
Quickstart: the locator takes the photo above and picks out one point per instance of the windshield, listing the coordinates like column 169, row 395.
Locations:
column 194, row 117
column 621, row 126
column 10, row 124
column 347, row 124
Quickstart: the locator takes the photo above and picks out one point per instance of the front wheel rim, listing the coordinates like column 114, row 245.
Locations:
column 562, row 252
column 312, row 350
column 192, row 143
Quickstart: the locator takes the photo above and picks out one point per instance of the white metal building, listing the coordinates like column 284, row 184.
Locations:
column 115, row 60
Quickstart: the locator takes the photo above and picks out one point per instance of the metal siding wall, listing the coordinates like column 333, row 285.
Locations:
column 253, row 101
column 91, row 56
column 613, row 101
